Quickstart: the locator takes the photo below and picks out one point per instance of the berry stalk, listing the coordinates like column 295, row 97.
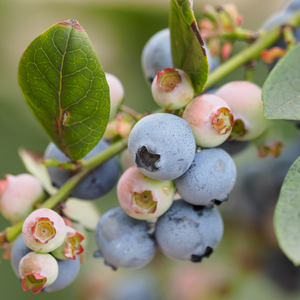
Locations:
column 253, row 51
column 10, row 233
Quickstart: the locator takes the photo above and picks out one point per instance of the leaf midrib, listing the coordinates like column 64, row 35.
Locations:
column 60, row 133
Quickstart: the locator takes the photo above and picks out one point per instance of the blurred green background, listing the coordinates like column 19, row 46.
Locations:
column 118, row 30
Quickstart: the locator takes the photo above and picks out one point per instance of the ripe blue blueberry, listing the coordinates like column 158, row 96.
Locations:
column 211, row 176
column 18, row 251
column 96, row 184
column 157, row 55
column 67, row 272
column 187, row 232
column 123, row 241
column 162, row 146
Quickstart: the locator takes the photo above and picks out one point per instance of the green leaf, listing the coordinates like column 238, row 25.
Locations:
column 281, row 91
column 188, row 50
column 64, row 85
column 287, row 214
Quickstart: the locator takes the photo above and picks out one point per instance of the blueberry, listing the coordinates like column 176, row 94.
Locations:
column 67, row 272
column 162, row 146
column 123, row 241
column 187, row 232
column 172, row 89
column 211, row 176
column 18, row 251
column 157, row 55
column 144, row 198
column 211, row 120
column 96, row 184
column 44, row 230
column 37, row 271
column 244, row 100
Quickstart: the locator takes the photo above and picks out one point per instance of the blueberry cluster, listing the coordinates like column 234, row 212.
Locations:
column 175, row 151
column 173, row 155
column 45, row 257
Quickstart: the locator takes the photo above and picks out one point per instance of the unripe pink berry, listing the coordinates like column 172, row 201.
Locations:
column 244, row 99
column 116, row 93
column 18, row 194
column 172, row 89
column 142, row 197
column 37, row 271
column 71, row 247
column 44, row 230
column 210, row 119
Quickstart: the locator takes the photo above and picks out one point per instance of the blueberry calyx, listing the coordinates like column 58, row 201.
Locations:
column 198, row 258
column 221, row 199
column 146, row 159
column 239, row 129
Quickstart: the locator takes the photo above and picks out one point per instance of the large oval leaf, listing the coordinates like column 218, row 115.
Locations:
column 281, row 91
column 287, row 214
column 64, row 85
column 188, row 50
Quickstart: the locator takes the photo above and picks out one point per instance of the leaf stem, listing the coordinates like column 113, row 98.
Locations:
column 137, row 116
column 87, row 165
column 265, row 39
column 59, row 164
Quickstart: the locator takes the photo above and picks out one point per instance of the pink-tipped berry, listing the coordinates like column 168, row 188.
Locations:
column 172, row 89
column 18, row 195
column 37, row 271
column 44, row 230
column 244, row 99
column 210, row 119
column 142, row 197
column 71, row 247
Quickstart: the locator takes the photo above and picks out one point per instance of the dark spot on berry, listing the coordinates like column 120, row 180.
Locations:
column 146, row 159
column 198, row 209
column 198, row 258
column 222, row 199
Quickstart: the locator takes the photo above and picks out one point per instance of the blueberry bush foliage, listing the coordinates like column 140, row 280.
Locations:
column 68, row 92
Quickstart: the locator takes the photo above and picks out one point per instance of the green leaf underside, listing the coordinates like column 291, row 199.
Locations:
column 187, row 52
column 287, row 214
column 281, row 91
column 65, row 87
